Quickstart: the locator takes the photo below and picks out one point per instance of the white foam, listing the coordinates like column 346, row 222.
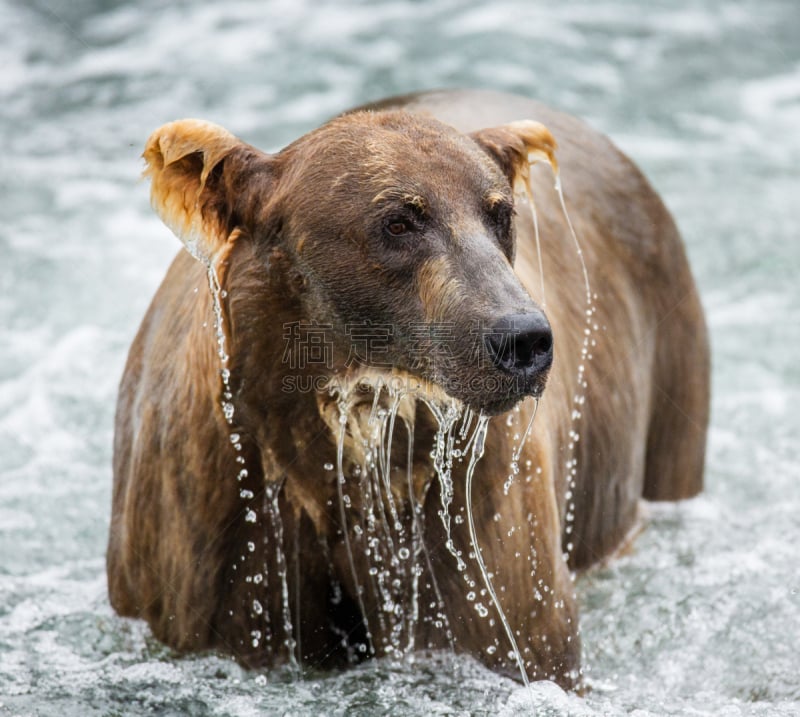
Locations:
column 543, row 698
column 774, row 97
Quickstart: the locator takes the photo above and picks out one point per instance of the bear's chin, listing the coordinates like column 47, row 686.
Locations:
column 363, row 394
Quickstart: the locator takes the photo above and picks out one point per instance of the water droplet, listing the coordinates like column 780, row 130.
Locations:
column 328, row 466
column 403, row 553
column 250, row 516
column 260, row 680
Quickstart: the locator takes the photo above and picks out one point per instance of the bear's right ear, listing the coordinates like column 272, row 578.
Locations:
column 201, row 179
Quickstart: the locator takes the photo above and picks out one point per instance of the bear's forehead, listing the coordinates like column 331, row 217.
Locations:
column 390, row 140
column 397, row 153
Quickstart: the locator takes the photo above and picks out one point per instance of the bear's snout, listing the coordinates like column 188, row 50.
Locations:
column 521, row 345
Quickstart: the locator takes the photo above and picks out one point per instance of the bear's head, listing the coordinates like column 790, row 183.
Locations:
column 389, row 236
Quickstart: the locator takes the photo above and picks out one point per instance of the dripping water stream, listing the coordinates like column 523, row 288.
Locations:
column 580, row 380
column 476, row 454
column 452, row 441
column 270, row 503
column 578, row 399
column 420, row 548
column 518, row 451
column 340, row 480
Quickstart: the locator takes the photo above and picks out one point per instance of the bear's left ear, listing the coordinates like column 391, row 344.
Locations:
column 516, row 146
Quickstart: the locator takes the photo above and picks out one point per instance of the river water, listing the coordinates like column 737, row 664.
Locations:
column 702, row 618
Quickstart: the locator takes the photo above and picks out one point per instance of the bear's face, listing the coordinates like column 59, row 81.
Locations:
column 398, row 234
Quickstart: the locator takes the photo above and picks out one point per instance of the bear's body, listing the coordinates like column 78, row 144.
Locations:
column 387, row 218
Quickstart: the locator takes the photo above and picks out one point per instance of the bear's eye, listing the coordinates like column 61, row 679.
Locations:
column 500, row 216
column 398, row 226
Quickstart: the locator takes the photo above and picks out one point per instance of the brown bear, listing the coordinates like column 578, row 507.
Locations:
column 323, row 446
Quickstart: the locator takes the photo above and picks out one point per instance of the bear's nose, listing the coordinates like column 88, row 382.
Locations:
column 521, row 344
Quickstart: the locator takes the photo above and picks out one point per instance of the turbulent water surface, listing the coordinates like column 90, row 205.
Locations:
column 701, row 618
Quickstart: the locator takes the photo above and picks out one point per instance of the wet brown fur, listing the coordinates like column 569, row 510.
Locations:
column 292, row 238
